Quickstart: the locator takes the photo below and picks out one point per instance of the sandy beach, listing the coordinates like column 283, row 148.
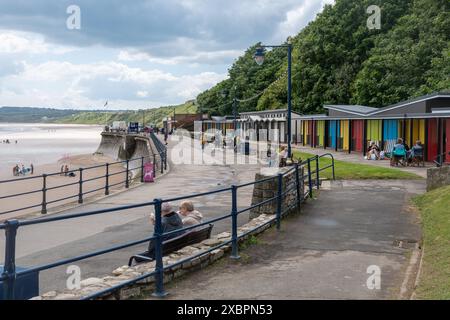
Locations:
column 49, row 147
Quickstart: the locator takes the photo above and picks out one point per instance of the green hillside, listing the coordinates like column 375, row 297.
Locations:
column 338, row 60
column 151, row 116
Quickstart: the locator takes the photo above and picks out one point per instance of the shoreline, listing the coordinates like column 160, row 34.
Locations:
column 69, row 189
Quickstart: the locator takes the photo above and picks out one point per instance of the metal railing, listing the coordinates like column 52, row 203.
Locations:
column 158, row 159
column 439, row 159
column 11, row 227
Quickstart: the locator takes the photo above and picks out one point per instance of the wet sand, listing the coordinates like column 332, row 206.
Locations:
column 70, row 192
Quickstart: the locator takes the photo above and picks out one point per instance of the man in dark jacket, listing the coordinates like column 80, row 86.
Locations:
column 170, row 221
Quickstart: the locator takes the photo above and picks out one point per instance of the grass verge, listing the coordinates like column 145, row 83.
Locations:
column 349, row 171
column 435, row 276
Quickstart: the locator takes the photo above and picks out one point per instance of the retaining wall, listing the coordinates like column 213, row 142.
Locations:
column 438, row 177
column 269, row 189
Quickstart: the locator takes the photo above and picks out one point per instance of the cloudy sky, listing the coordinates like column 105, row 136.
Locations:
column 135, row 54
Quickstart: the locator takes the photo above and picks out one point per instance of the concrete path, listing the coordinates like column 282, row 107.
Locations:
column 46, row 243
column 357, row 157
column 324, row 252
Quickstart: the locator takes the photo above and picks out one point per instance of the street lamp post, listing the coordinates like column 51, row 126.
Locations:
column 235, row 101
column 259, row 59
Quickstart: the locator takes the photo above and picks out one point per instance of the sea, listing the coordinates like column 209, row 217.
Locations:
column 44, row 143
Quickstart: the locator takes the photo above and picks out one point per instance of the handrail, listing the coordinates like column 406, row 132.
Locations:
column 158, row 158
column 441, row 159
column 11, row 228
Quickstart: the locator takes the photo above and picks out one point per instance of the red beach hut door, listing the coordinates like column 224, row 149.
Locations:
column 447, row 138
column 432, row 139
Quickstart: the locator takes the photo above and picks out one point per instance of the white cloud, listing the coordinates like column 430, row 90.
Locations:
column 203, row 57
column 28, row 43
column 78, row 86
column 142, row 94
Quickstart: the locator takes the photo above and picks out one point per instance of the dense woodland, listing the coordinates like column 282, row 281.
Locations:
column 338, row 60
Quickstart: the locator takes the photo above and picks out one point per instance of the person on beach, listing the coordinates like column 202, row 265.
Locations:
column 23, row 170
column 62, row 170
column 32, row 168
column 66, row 170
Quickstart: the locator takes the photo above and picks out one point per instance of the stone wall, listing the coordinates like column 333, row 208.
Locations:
column 146, row 287
column 438, row 177
column 269, row 189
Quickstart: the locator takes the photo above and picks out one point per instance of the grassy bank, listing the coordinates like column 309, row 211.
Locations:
column 348, row 170
column 435, row 276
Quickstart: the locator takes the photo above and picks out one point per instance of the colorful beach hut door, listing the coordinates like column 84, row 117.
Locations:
column 390, row 134
column 432, row 148
column 447, row 140
column 332, row 134
column 357, row 135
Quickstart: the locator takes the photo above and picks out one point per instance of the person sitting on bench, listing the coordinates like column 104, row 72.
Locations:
column 189, row 215
column 170, row 221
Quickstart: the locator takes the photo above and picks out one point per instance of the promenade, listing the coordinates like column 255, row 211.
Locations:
column 324, row 252
column 45, row 243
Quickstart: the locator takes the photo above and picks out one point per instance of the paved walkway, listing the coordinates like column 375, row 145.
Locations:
column 45, row 243
column 323, row 253
column 357, row 157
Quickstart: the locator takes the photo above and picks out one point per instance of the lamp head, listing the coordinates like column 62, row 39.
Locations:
column 259, row 56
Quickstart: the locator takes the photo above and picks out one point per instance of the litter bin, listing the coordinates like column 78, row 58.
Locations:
column 26, row 286
column 247, row 148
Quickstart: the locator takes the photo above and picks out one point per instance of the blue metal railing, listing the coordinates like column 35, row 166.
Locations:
column 11, row 227
column 158, row 158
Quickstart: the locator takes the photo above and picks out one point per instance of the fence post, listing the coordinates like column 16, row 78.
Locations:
column 44, row 194
column 142, row 169
column 297, row 183
column 127, row 182
column 9, row 270
column 279, row 199
column 317, row 172
column 161, row 157
column 159, row 267
column 165, row 159
column 107, row 180
column 332, row 158
column 309, row 179
column 234, row 235
column 80, row 191
column 154, row 165
column 303, row 185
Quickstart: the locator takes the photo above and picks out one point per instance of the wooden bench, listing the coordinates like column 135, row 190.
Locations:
column 192, row 236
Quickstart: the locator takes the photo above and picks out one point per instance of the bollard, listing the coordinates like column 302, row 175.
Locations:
column 159, row 267
column 44, row 194
column 9, row 271
column 234, row 235
column 279, row 199
column 107, row 180
column 80, row 191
